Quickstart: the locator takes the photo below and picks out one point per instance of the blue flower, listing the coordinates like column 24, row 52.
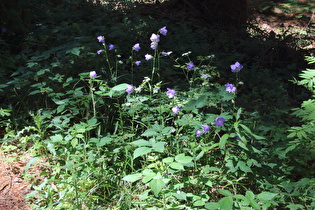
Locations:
column 175, row 109
column 198, row 133
column 230, row 88
column 219, row 121
column 136, row 47
column 236, row 67
column 206, row 128
column 129, row 89
column 163, row 31
column 166, row 53
column 170, row 93
column 154, row 45
column 138, row 63
column 190, row 65
column 148, row 57
column 101, row 39
column 93, row 74
column 3, row 30
column 99, row 52
column 111, row 47
column 155, row 38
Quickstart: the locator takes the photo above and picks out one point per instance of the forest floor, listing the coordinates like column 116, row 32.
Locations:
column 13, row 187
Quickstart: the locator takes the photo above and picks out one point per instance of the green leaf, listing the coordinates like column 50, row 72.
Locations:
column 141, row 143
column 226, row 203
column 104, row 141
column 158, row 147
column 141, row 151
column 212, row 205
column 156, row 186
column 74, row 142
column 199, row 203
column 223, row 140
column 150, row 132
column 177, row 166
column 148, row 175
column 181, row 158
column 168, row 160
column 244, row 167
column 266, row 196
column 132, row 177
column 225, row 192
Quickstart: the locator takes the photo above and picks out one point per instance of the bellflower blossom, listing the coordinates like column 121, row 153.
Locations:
column 236, row 67
column 111, row 47
column 148, row 57
column 138, row 63
column 155, row 38
column 167, row 53
column 190, row 65
column 170, row 93
column 163, row 31
column 129, row 89
column 93, row 74
column 136, row 47
column 175, row 109
column 3, row 30
column 230, row 88
column 154, row 45
column 99, row 52
column 198, row 133
column 101, row 39
column 219, row 121
column 206, row 128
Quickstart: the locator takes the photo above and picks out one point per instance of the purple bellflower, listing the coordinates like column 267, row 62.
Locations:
column 138, row 63
column 99, row 52
column 236, row 67
column 163, row 31
column 155, row 38
column 148, row 57
column 190, row 65
column 198, row 133
column 93, row 74
column 219, row 121
column 170, row 93
column 136, row 47
column 129, row 89
column 166, row 53
column 206, row 128
column 175, row 109
column 230, row 88
column 111, row 47
column 101, row 39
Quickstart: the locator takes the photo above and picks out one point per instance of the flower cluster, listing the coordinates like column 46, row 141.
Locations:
column 236, row 67
column 205, row 129
column 170, row 93
column 230, row 88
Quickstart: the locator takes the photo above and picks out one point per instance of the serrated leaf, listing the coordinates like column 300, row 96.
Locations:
column 141, row 151
column 158, row 147
column 132, row 177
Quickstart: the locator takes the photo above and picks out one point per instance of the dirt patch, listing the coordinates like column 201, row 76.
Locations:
column 12, row 186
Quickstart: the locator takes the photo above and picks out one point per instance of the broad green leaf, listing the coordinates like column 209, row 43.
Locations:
column 132, row 177
column 156, row 186
column 225, row 192
column 199, row 203
column 104, row 141
column 266, row 196
column 57, row 138
column 181, row 158
column 150, row 132
column 158, row 147
column 167, row 130
column 244, row 167
column 74, row 142
column 180, row 195
column 226, row 203
column 212, row 205
column 168, row 160
column 141, row 151
column 141, row 143
column 177, row 166
column 223, row 140
column 148, row 175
